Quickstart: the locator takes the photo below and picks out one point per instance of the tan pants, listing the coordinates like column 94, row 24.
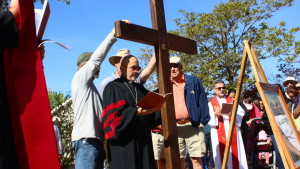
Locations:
column 158, row 146
column 191, row 138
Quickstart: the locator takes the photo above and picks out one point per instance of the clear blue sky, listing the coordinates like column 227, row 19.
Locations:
column 84, row 24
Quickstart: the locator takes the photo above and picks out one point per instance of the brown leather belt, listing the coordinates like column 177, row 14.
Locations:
column 182, row 121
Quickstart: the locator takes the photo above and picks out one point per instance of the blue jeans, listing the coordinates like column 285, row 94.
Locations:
column 89, row 154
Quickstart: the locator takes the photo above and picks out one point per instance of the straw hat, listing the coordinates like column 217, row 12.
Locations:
column 121, row 53
column 289, row 79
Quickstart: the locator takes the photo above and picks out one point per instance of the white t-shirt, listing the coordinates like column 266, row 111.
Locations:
column 86, row 99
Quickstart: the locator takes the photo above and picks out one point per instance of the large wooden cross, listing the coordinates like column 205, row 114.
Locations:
column 162, row 42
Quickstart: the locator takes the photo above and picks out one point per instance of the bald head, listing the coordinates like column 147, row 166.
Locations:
column 126, row 59
column 129, row 68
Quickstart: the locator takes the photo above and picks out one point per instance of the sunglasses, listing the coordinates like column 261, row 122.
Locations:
column 135, row 68
column 174, row 65
column 219, row 88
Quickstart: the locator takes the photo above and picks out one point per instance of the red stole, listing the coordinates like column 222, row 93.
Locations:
column 222, row 134
column 28, row 97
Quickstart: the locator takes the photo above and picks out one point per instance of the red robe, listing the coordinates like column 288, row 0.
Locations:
column 219, row 133
column 28, row 97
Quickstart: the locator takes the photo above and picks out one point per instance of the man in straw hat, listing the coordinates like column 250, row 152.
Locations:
column 115, row 61
column 290, row 82
column 87, row 134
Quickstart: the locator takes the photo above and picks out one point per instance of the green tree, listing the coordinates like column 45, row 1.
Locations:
column 57, row 98
column 63, row 117
column 144, row 55
column 220, row 35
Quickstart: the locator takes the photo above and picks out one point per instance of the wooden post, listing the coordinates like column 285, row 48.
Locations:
column 234, row 110
column 162, row 42
column 165, row 86
column 276, row 131
column 259, row 77
column 257, row 69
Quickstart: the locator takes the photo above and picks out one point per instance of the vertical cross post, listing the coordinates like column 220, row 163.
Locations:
column 165, row 86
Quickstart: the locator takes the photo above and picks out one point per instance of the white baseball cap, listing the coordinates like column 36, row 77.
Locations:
column 175, row 59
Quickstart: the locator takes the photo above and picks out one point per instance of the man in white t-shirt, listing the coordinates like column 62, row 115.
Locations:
column 87, row 134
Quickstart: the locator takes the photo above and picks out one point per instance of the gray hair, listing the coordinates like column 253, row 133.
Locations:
column 218, row 81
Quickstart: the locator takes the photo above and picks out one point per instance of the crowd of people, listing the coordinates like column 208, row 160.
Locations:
column 134, row 135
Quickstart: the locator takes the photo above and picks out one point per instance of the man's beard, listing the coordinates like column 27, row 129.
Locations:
column 133, row 77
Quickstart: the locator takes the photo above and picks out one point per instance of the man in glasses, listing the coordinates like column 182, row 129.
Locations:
column 191, row 113
column 219, row 123
column 115, row 61
column 126, row 126
column 289, row 82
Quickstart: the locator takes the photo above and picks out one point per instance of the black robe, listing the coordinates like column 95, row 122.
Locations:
column 128, row 135
column 8, row 39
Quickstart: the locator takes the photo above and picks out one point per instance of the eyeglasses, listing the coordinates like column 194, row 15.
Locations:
column 219, row 88
column 174, row 65
column 134, row 68
column 290, row 82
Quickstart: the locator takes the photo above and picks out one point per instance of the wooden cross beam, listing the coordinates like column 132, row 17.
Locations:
column 162, row 42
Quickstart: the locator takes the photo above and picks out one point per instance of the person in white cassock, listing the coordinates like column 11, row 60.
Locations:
column 219, row 130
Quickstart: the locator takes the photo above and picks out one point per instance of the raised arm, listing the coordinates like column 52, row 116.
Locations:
column 101, row 52
column 145, row 74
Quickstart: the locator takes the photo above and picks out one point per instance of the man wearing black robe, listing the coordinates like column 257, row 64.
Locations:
column 8, row 39
column 126, row 126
